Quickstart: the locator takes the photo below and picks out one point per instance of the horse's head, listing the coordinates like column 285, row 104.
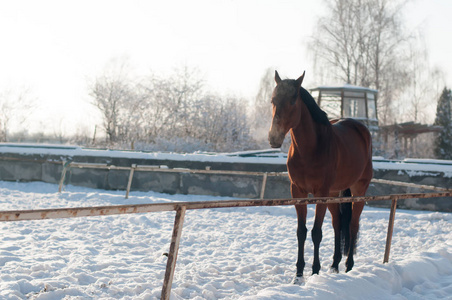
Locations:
column 286, row 112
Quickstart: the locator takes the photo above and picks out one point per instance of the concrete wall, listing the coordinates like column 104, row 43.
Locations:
column 48, row 168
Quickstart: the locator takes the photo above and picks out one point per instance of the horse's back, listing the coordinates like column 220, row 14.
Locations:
column 354, row 146
column 352, row 133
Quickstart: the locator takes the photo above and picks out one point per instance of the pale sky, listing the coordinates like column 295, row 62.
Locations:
column 53, row 48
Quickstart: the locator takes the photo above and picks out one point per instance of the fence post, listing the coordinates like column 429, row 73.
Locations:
column 172, row 255
column 390, row 229
column 63, row 175
column 129, row 183
column 264, row 183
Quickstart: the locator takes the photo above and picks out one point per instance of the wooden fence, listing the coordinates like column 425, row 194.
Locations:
column 181, row 207
column 148, row 168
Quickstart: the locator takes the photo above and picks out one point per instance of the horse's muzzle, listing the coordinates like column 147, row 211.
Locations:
column 275, row 140
column 273, row 145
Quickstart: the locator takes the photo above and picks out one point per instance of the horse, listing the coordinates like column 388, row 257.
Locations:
column 325, row 159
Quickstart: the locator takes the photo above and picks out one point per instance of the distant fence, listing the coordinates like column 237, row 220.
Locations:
column 205, row 177
column 147, row 168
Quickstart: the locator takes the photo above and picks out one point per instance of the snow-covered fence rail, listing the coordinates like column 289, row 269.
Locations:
column 408, row 184
column 181, row 207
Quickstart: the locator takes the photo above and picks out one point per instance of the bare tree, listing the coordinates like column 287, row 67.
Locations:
column 111, row 92
column 362, row 42
column 425, row 84
column 185, row 97
column 261, row 111
column 15, row 107
column 170, row 104
column 222, row 124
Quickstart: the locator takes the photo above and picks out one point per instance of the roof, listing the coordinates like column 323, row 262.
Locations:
column 410, row 128
column 344, row 87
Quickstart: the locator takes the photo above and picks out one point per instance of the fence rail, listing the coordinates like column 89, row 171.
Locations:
column 54, row 213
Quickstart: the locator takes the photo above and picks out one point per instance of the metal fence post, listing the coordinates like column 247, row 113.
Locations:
column 390, row 229
column 172, row 255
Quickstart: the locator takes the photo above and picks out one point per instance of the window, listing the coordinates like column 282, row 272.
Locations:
column 354, row 108
column 371, row 109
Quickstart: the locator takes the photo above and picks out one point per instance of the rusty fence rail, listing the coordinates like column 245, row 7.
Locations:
column 181, row 207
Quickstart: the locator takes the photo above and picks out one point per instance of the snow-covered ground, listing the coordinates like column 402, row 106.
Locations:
column 246, row 253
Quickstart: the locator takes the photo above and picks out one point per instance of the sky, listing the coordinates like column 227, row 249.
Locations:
column 54, row 49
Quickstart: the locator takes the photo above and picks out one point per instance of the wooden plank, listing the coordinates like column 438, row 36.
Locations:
column 264, row 183
column 172, row 255
column 63, row 176
column 129, row 183
column 409, row 184
column 54, row 213
column 216, row 172
column 390, row 229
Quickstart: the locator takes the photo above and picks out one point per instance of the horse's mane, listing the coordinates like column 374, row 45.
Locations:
column 317, row 114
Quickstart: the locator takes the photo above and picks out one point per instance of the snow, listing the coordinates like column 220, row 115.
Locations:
column 61, row 150
column 232, row 253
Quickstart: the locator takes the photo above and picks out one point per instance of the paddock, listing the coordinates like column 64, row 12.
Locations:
column 182, row 207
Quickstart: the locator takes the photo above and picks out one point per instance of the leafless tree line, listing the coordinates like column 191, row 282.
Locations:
column 173, row 113
column 15, row 107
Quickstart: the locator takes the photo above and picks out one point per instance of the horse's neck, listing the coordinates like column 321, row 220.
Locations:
column 307, row 134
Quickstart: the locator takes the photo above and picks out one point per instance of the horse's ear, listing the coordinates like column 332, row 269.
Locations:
column 300, row 79
column 277, row 78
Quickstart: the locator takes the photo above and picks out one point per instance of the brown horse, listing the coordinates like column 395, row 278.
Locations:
column 325, row 159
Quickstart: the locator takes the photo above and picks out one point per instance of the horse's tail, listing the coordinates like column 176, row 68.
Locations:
column 346, row 216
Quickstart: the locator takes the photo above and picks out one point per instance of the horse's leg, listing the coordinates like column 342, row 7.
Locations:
column 301, row 231
column 336, row 220
column 340, row 215
column 357, row 208
column 358, row 189
column 316, row 233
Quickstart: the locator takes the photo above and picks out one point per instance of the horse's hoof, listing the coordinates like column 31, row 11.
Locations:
column 298, row 280
column 334, row 270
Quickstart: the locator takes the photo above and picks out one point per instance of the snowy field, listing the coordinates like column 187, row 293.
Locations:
column 240, row 253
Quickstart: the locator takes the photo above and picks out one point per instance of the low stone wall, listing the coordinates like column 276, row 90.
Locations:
column 48, row 168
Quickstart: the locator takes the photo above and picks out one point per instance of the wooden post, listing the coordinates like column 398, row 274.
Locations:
column 172, row 256
column 264, row 183
column 63, row 175
column 390, row 229
column 129, row 183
